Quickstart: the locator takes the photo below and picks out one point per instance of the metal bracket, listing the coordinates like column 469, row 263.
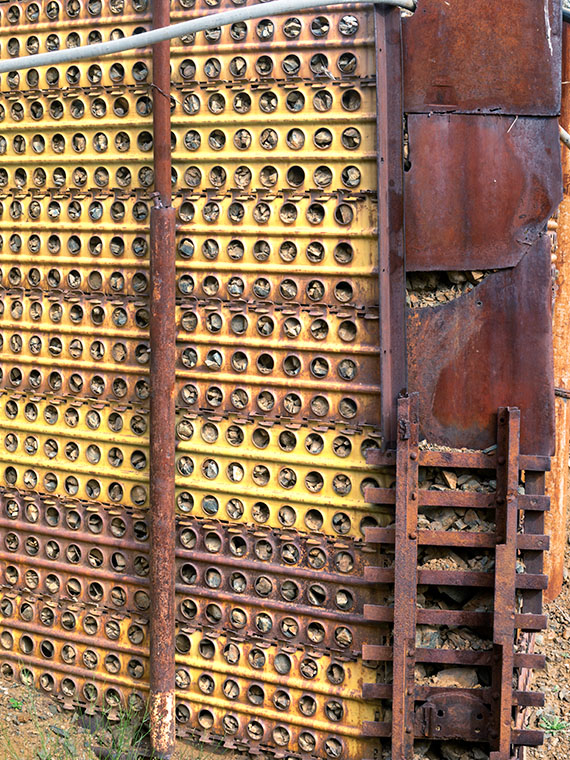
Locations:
column 452, row 715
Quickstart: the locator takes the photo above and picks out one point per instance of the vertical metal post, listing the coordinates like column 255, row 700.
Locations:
column 162, row 408
column 557, row 479
column 391, row 264
column 405, row 578
column 506, row 520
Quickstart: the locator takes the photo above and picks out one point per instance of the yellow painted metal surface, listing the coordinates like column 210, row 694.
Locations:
column 310, row 700
column 254, row 138
column 337, row 44
column 278, row 371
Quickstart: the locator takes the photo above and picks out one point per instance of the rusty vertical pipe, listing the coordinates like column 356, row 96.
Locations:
column 161, row 105
column 557, row 479
column 162, row 407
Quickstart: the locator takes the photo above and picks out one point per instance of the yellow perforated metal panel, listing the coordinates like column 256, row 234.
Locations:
column 277, row 368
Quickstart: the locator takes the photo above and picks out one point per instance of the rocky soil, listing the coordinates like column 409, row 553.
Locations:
column 425, row 289
column 33, row 727
column 554, row 681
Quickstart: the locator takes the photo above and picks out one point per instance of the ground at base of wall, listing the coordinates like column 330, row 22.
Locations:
column 33, row 727
column 554, row 681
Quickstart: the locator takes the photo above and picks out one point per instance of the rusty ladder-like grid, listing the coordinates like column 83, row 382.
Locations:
column 474, row 715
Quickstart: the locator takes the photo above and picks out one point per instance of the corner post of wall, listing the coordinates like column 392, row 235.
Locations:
column 508, row 442
column 405, row 578
column 162, row 408
column 391, row 251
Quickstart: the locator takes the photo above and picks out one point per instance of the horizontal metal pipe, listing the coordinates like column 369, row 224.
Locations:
column 263, row 10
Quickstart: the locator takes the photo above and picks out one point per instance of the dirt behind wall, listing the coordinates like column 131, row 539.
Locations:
column 554, row 680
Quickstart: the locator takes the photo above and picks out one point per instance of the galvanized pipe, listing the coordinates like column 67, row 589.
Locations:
column 199, row 24
column 162, row 407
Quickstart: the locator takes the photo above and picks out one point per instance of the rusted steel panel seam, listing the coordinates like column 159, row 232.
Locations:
column 391, row 250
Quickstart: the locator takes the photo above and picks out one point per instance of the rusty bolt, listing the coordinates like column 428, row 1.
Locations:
column 413, row 455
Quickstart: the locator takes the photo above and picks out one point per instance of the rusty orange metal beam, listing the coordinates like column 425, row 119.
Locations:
column 162, row 409
column 557, row 479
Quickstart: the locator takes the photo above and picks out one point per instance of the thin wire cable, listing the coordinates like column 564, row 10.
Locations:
column 262, row 10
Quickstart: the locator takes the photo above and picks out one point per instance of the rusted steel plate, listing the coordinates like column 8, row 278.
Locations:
column 487, row 348
column 480, row 189
column 557, row 481
column 510, row 65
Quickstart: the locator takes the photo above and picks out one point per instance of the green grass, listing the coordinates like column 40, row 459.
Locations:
column 51, row 744
column 122, row 731
column 552, row 724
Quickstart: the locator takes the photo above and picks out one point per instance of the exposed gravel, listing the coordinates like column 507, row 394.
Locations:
column 34, row 727
column 554, row 680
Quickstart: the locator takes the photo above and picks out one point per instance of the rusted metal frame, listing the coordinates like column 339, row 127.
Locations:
column 462, row 539
column 526, row 621
column 534, row 505
column 384, row 691
column 526, row 641
column 456, row 578
column 405, row 578
column 449, row 656
column 478, row 460
column 391, row 255
column 532, row 601
column 508, row 442
column 162, row 409
column 459, row 499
